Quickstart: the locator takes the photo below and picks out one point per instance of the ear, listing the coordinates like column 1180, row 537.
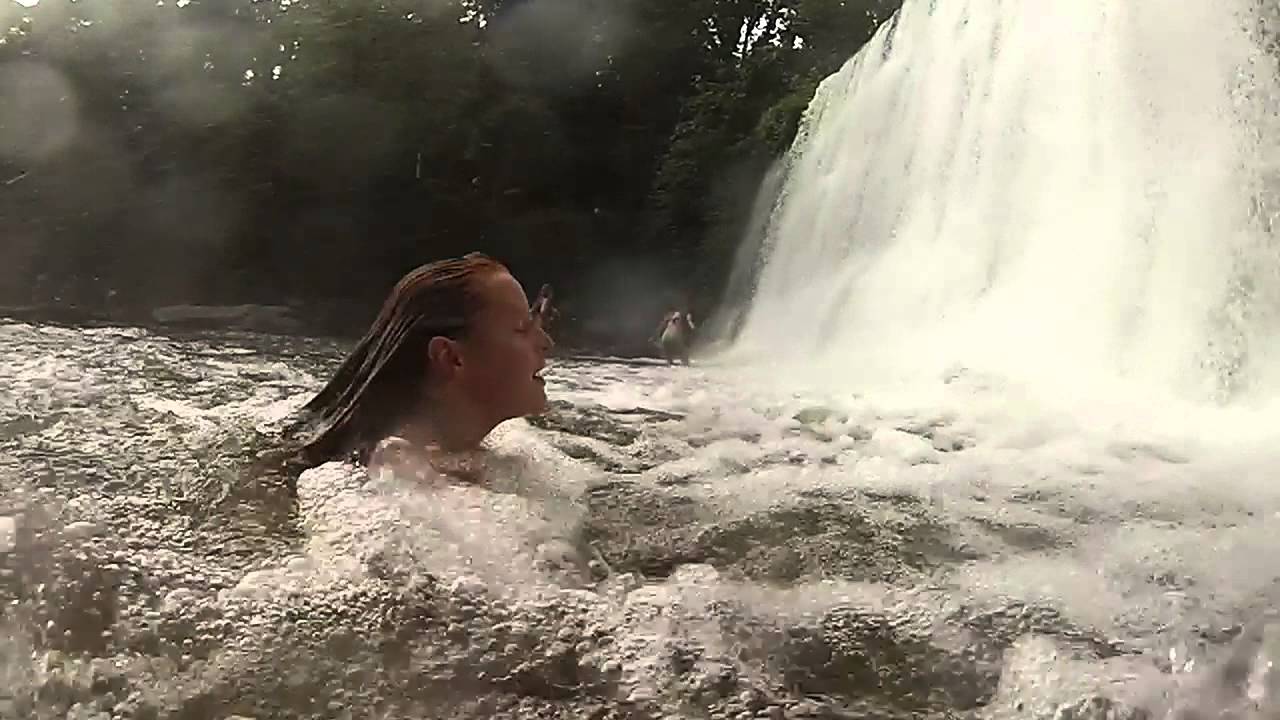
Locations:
column 444, row 355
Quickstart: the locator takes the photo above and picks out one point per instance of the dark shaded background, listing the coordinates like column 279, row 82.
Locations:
column 309, row 153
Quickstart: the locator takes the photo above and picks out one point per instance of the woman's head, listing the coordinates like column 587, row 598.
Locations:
column 454, row 349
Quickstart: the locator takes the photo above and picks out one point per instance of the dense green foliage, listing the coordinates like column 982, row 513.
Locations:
column 311, row 151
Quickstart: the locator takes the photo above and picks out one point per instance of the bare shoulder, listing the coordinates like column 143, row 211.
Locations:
column 397, row 457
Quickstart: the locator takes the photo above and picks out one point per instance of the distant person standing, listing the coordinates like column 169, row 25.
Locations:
column 542, row 309
column 674, row 335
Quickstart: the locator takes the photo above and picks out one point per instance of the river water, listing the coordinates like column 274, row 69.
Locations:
column 665, row 542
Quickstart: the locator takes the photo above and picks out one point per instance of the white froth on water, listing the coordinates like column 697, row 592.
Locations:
column 511, row 529
column 1148, row 531
column 1157, row 525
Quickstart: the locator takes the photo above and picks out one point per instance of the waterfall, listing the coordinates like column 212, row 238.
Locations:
column 1061, row 189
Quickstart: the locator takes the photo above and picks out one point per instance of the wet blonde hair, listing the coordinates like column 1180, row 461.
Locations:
column 384, row 379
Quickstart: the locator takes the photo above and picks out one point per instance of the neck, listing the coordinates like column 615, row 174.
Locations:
column 456, row 428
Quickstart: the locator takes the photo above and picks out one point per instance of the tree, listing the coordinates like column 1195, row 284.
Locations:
column 316, row 149
column 741, row 115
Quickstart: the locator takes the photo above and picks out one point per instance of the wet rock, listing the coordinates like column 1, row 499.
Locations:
column 260, row 318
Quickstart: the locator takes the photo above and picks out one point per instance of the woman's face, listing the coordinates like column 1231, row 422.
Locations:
column 504, row 352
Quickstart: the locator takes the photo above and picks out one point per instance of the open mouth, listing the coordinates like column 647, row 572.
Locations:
column 540, row 373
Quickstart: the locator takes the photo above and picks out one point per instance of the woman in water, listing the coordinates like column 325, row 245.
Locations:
column 454, row 352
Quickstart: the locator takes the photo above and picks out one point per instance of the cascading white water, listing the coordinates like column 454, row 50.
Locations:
column 1070, row 188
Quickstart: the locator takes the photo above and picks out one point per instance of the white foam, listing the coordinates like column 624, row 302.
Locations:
column 8, row 533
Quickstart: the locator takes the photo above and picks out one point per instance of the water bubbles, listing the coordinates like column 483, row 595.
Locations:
column 372, row 591
column 82, row 530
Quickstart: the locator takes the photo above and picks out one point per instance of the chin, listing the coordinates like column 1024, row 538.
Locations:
column 534, row 403
column 539, row 407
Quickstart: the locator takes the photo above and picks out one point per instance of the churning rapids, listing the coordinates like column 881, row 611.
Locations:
column 673, row 544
